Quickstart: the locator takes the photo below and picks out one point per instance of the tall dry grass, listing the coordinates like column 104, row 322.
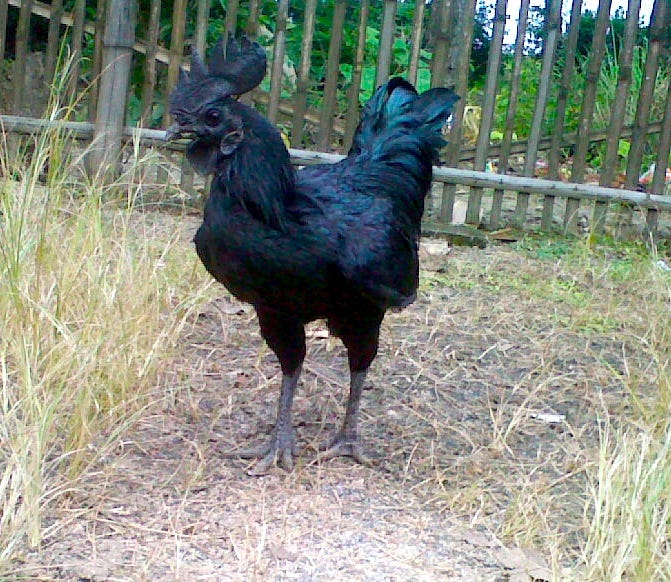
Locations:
column 89, row 311
column 628, row 501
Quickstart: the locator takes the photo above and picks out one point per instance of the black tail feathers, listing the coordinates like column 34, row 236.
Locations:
column 396, row 108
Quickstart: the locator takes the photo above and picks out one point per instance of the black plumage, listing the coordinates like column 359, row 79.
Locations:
column 338, row 242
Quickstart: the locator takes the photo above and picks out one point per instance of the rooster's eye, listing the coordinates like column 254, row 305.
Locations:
column 212, row 117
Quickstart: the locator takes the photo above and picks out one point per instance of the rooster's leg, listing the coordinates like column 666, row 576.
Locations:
column 346, row 442
column 281, row 446
column 361, row 341
column 286, row 337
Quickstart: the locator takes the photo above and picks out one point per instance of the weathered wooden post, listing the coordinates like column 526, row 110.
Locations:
column 331, row 82
column 387, row 34
column 21, row 56
column 3, row 28
column 111, row 107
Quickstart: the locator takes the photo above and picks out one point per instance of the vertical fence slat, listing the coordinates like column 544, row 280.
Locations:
column 639, row 131
column 617, row 112
column 175, row 61
column 506, row 142
column 149, row 81
column 111, row 108
column 78, row 15
column 565, row 85
column 544, row 86
column 97, row 59
column 176, row 53
column 252, row 32
column 202, row 16
column 278, row 60
column 487, row 117
column 53, row 40
column 252, row 29
column 353, row 90
column 587, row 109
column 441, row 13
column 21, row 56
column 231, row 23
column 303, row 81
column 459, row 62
column 663, row 149
column 416, row 40
column 591, row 86
column 658, row 19
column 332, row 72
column 3, row 28
column 387, row 33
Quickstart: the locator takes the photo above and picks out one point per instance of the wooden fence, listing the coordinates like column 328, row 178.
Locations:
column 566, row 118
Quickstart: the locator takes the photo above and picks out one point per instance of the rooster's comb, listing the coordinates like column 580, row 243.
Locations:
column 239, row 70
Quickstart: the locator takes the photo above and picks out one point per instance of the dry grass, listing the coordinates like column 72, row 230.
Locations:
column 524, row 394
column 497, row 339
column 91, row 303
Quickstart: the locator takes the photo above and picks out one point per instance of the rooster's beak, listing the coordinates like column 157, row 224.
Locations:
column 176, row 131
column 173, row 132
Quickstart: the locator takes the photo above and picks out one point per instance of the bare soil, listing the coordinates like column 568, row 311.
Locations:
column 470, row 478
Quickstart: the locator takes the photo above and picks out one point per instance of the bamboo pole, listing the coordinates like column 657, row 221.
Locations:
column 44, row 11
column 544, row 86
column 149, row 80
column 416, row 40
column 303, row 81
column 252, row 32
column 657, row 22
column 617, row 112
column 97, row 64
column 117, row 56
column 174, row 64
column 459, row 62
column 156, row 137
column 3, row 28
column 663, row 149
column 587, row 109
column 353, row 90
column 176, row 52
column 521, row 146
column 387, row 33
column 487, row 117
column 657, row 30
column 78, row 15
column 278, row 60
column 252, row 29
column 506, row 143
column 441, row 15
column 21, row 56
column 332, row 72
column 232, row 7
column 565, row 86
column 53, row 40
column 202, row 16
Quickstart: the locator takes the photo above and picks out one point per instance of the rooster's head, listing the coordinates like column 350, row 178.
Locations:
column 203, row 104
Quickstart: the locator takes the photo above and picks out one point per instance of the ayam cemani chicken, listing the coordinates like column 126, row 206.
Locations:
column 333, row 241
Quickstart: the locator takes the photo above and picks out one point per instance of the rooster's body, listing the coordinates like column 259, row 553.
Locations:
column 337, row 242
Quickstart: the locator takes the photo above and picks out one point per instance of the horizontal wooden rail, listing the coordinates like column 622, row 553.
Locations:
column 156, row 137
column 43, row 10
column 521, row 146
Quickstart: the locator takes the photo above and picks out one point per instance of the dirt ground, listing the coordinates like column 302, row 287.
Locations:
column 458, row 410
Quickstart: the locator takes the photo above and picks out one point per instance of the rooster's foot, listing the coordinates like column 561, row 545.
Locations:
column 342, row 446
column 279, row 451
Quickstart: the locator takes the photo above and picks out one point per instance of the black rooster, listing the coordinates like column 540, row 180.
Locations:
column 337, row 242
